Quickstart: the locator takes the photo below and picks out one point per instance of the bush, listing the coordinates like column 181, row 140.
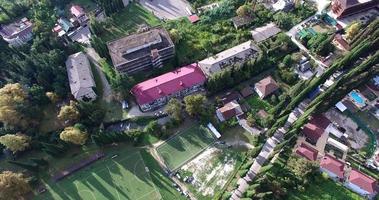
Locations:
column 242, row 172
column 226, row 195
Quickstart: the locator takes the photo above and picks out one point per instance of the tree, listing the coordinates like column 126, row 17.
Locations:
column 244, row 10
column 13, row 185
column 91, row 114
column 15, row 142
column 175, row 35
column 353, row 30
column 69, row 113
column 153, row 128
column 73, row 135
column 195, row 104
column 250, row 119
column 174, row 109
column 38, row 95
column 301, row 167
column 12, row 96
column 53, row 97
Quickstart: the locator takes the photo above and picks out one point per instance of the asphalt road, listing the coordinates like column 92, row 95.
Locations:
column 167, row 9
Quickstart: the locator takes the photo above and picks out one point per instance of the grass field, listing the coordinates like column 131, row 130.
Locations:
column 183, row 147
column 326, row 190
column 124, row 177
column 127, row 21
column 256, row 103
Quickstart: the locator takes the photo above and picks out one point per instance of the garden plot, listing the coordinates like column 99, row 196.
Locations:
column 211, row 170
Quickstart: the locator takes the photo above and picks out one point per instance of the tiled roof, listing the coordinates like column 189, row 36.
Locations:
column 267, row 86
column 312, row 132
column 363, row 181
column 333, row 165
column 77, row 11
column 230, row 110
column 307, row 152
column 247, row 91
column 194, row 18
column 168, row 83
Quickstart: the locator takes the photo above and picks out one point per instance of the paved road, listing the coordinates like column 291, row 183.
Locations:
column 167, row 9
column 95, row 58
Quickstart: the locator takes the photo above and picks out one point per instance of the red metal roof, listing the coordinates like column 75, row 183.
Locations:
column 333, row 165
column 194, row 18
column 77, row 11
column 363, row 181
column 307, row 152
column 169, row 83
column 320, row 121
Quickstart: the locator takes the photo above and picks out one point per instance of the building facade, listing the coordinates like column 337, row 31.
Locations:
column 156, row 92
column 141, row 51
column 236, row 55
column 344, row 8
column 17, row 33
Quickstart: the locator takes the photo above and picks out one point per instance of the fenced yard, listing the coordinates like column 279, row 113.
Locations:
column 186, row 145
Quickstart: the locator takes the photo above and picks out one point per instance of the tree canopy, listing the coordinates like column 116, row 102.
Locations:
column 15, row 142
column 12, row 96
column 195, row 104
column 13, row 185
column 69, row 113
column 73, row 135
column 174, row 109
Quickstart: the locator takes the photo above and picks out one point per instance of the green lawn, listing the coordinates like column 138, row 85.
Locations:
column 184, row 146
column 371, row 121
column 257, row 103
column 123, row 177
column 326, row 190
column 127, row 21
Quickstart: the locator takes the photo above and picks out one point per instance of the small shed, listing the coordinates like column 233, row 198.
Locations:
column 214, row 130
column 239, row 22
column 193, row 19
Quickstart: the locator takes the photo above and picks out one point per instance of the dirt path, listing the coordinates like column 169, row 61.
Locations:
column 95, row 58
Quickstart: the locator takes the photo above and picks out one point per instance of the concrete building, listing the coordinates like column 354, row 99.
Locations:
column 263, row 33
column 236, row 55
column 17, row 33
column 156, row 92
column 141, row 51
column 80, row 77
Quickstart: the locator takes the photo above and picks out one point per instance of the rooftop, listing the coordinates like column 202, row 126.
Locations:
column 17, row 28
column 79, row 73
column 333, row 165
column 241, row 21
column 363, row 181
column 307, row 152
column 230, row 110
column 137, row 45
column 77, row 11
column 168, row 83
column 265, row 32
column 267, row 86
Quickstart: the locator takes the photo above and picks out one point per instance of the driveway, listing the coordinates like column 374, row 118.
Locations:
column 167, row 9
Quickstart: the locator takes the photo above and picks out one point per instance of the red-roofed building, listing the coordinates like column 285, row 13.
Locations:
column 157, row 91
column 362, row 184
column 315, row 128
column 333, row 167
column 312, row 132
column 307, row 152
column 344, row 8
column 194, row 18
column 230, row 110
column 77, row 11
column 341, row 42
column 266, row 87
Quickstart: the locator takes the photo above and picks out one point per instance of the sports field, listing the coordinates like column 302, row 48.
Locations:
column 124, row 177
column 183, row 147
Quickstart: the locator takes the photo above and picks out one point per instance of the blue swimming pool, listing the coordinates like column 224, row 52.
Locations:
column 357, row 98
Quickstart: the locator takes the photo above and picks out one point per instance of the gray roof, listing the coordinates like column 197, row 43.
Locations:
column 79, row 75
column 265, row 32
column 15, row 29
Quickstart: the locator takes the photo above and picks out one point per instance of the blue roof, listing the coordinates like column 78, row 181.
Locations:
column 65, row 24
column 313, row 94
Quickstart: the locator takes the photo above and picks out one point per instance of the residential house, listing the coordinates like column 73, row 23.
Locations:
column 362, row 184
column 228, row 111
column 156, row 92
column 307, row 152
column 236, row 55
column 79, row 15
column 266, row 87
column 341, row 43
column 141, row 51
column 344, row 8
column 240, row 21
column 80, row 77
column 17, row 33
column 263, row 33
column 333, row 167
column 314, row 129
